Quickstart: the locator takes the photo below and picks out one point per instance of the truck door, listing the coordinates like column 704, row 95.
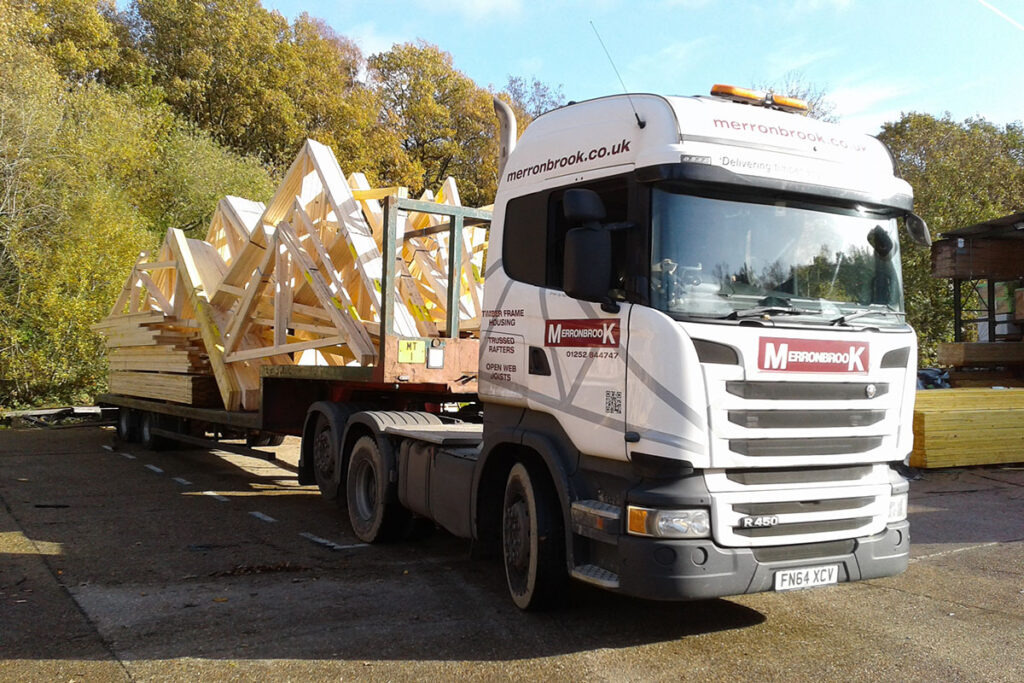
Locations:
column 575, row 350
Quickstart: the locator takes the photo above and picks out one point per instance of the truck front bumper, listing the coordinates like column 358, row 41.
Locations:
column 661, row 569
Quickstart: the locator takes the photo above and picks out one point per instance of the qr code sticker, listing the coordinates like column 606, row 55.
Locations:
column 613, row 401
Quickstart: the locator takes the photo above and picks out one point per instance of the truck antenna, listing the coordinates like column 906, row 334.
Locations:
column 639, row 121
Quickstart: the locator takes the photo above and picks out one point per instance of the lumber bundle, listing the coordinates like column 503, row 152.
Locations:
column 978, row 259
column 295, row 281
column 961, row 427
column 970, row 354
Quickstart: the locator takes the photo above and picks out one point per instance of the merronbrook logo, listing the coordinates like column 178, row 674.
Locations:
column 570, row 160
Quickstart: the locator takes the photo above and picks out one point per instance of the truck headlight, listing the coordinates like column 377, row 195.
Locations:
column 897, row 507
column 668, row 523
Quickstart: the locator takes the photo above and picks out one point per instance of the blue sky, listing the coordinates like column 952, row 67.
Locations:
column 875, row 59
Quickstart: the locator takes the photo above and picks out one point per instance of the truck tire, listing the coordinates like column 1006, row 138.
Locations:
column 150, row 441
column 532, row 539
column 261, row 439
column 373, row 518
column 326, row 440
column 127, row 425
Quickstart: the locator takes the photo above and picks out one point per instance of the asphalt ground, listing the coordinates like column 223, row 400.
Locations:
column 120, row 564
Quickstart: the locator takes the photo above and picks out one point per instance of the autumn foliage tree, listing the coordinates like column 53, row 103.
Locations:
column 962, row 173
column 119, row 121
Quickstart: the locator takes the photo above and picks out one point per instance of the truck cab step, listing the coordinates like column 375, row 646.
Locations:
column 597, row 576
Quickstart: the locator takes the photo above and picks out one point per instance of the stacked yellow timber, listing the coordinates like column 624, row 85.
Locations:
column 295, row 281
column 960, row 427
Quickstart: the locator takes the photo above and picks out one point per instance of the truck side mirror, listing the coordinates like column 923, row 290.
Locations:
column 587, row 268
column 918, row 230
column 582, row 207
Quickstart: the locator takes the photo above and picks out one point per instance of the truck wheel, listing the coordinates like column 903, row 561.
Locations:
column 532, row 540
column 325, row 457
column 261, row 439
column 373, row 518
column 149, row 440
column 127, row 425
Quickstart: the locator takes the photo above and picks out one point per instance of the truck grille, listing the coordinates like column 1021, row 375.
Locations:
column 799, row 461
column 804, row 391
column 767, row 448
column 759, row 517
column 815, row 475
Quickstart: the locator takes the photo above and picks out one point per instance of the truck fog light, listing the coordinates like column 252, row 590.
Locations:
column 668, row 523
column 898, row 507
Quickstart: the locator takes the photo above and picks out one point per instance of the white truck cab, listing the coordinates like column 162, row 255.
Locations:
column 694, row 319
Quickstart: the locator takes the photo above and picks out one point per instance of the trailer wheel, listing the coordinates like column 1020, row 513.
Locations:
column 325, row 456
column 256, row 439
column 127, row 425
column 150, row 441
column 532, row 540
column 373, row 518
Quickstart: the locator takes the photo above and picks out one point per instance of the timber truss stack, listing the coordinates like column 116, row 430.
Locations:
column 296, row 281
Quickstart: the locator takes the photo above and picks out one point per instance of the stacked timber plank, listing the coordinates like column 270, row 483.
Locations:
column 295, row 281
column 979, row 258
column 984, row 364
column 960, row 427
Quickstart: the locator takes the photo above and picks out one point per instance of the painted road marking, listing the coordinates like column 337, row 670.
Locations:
column 183, row 481
column 215, row 496
column 953, row 552
column 126, row 455
column 155, row 469
column 109, row 448
column 260, row 515
column 329, row 544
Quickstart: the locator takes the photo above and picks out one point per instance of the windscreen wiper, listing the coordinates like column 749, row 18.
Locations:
column 768, row 311
column 845, row 319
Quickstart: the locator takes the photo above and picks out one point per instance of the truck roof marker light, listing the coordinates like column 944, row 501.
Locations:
column 789, row 103
column 758, row 97
column 744, row 95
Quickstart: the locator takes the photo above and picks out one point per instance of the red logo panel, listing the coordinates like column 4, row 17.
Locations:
column 588, row 332
column 812, row 355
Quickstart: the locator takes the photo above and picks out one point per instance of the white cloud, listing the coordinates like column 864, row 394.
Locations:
column 851, row 100
column 866, row 105
column 529, row 66
column 370, row 40
column 687, row 4
column 792, row 62
column 815, row 5
column 669, row 64
column 477, row 10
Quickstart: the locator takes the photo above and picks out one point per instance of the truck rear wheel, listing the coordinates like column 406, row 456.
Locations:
column 532, row 540
column 374, row 519
column 127, row 425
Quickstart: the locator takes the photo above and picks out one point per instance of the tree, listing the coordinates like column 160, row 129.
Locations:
column 74, row 34
column 794, row 84
column 89, row 176
column 445, row 122
column 962, row 173
column 335, row 108
column 531, row 99
column 221, row 65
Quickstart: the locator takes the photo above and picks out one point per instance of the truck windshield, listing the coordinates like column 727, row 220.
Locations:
column 718, row 258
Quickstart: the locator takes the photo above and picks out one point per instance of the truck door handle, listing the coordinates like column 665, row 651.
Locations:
column 539, row 362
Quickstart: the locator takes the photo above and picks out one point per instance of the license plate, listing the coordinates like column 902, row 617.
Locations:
column 807, row 577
